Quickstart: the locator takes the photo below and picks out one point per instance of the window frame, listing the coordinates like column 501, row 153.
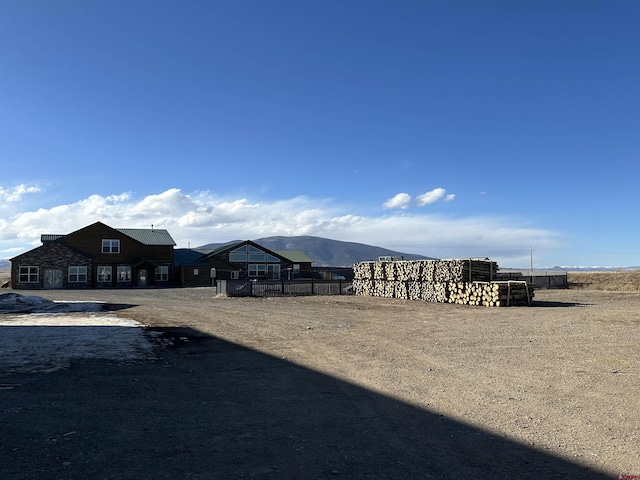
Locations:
column 75, row 274
column 162, row 273
column 108, row 245
column 32, row 274
column 126, row 269
column 257, row 270
column 104, row 274
column 237, row 257
column 273, row 271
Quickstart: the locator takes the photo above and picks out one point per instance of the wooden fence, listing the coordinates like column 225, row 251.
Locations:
column 540, row 279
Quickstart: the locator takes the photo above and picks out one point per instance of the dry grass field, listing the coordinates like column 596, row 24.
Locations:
column 5, row 275
column 618, row 281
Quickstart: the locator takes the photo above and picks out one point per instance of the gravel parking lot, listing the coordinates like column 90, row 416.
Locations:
column 337, row 387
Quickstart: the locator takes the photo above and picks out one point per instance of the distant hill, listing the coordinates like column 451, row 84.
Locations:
column 593, row 269
column 327, row 253
column 4, row 263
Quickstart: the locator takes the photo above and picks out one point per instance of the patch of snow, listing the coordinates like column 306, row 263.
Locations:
column 13, row 302
column 48, row 340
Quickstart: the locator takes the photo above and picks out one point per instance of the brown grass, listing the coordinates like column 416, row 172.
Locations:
column 5, row 275
column 618, row 281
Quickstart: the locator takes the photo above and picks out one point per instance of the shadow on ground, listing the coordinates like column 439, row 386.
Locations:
column 114, row 307
column 210, row 409
column 538, row 303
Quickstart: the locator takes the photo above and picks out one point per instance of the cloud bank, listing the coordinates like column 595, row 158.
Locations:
column 203, row 217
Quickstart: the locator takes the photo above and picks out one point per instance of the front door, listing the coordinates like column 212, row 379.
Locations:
column 142, row 278
column 53, row 278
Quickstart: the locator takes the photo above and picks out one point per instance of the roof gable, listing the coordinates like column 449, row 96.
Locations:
column 228, row 246
column 146, row 236
column 295, row 256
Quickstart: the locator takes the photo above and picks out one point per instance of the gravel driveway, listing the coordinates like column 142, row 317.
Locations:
column 338, row 387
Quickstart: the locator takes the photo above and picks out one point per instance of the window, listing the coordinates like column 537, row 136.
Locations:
column 196, row 272
column 104, row 273
column 162, row 273
column 235, row 275
column 124, row 273
column 296, row 268
column 257, row 269
column 77, row 274
column 29, row 274
column 110, row 246
column 257, row 257
column 249, row 253
column 239, row 255
column 273, row 271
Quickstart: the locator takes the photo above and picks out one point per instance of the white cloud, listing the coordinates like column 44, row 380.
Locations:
column 16, row 193
column 203, row 217
column 399, row 200
column 433, row 196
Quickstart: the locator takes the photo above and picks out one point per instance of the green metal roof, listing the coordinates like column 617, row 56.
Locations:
column 295, row 256
column 148, row 236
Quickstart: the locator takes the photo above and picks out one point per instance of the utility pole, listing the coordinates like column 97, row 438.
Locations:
column 531, row 264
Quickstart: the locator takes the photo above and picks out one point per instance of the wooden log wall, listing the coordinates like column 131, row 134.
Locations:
column 460, row 281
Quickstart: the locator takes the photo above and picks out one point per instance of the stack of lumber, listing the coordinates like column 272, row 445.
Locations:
column 459, row 270
column 461, row 281
column 492, row 294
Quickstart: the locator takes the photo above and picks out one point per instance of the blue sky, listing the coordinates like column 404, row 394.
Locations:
column 446, row 128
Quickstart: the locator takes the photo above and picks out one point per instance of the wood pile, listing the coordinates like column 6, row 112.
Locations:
column 461, row 270
column 461, row 281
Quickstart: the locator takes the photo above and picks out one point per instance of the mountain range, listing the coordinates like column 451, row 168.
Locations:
column 326, row 252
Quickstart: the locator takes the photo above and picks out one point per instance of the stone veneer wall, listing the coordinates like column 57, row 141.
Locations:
column 50, row 256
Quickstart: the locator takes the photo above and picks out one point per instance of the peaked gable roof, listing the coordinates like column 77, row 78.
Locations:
column 146, row 236
column 229, row 246
column 295, row 256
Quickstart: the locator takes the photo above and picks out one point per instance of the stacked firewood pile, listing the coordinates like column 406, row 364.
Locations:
column 461, row 281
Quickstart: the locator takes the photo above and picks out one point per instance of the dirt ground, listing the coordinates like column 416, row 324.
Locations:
column 339, row 387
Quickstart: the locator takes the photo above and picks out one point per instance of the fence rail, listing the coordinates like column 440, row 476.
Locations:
column 272, row 288
column 541, row 281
